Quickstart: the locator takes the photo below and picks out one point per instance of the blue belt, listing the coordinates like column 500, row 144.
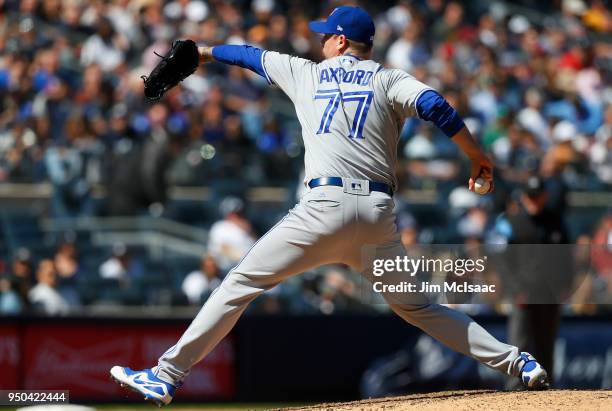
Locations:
column 337, row 181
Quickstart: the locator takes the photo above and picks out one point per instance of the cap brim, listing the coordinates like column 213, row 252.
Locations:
column 320, row 27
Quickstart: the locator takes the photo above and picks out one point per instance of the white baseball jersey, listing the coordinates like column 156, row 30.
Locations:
column 351, row 112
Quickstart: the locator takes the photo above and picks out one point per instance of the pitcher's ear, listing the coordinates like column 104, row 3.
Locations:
column 342, row 42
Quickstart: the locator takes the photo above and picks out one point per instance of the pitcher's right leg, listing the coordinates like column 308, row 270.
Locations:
column 453, row 328
column 459, row 332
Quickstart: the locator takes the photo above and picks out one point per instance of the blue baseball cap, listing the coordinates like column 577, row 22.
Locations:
column 354, row 22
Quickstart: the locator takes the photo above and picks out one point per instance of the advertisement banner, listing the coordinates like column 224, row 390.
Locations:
column 9, row 357
column 425, row 364
column 78, row 357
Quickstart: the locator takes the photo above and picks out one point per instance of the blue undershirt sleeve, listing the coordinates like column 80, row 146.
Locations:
column 247, row 57
column 431, row 106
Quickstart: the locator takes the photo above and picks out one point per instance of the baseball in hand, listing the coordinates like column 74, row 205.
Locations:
column 481, row 186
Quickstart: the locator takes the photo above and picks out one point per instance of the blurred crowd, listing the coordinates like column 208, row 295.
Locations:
column 64, row 280
column 531, row 81
column 74, row 274
column 534, row 88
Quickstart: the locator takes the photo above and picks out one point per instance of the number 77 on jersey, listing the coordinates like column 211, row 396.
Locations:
column 334, row 97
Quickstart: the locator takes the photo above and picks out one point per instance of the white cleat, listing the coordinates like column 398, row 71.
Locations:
column 533, row 375
column 144, row 382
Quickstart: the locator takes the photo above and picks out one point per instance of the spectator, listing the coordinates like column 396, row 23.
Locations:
column 409, row 50
column 124, row 179
column 230, row 238
column 601, row 151
column 19, row 152
column 517, row 154
column 137, row 179
column 44, row 296
column 121, row 267
column 532, row 119
column 474, row 223
column 594, row 284
column 156, row 157
column 67, row 267
column 105, row 48
column 70, row 190
column 601, row 252
column 447, row 27
column 598, row 17
column 22, row 273
column 198, row 284
column 10, row 302
column 236, row 149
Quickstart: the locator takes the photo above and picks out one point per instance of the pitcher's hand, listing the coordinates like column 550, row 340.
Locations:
column 481, row 167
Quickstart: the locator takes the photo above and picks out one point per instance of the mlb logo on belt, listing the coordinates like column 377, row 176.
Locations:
column 355, row 186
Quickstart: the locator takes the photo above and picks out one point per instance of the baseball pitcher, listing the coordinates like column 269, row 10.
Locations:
column 351, row 110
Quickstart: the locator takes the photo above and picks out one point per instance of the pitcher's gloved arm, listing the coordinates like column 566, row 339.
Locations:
column 244, row 56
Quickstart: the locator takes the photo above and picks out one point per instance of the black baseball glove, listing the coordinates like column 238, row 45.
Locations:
column 182, row 60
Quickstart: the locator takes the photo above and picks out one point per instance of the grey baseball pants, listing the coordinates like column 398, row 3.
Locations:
column 327, row 226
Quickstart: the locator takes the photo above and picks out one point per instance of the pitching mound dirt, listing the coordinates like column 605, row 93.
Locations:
column 570, row 400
